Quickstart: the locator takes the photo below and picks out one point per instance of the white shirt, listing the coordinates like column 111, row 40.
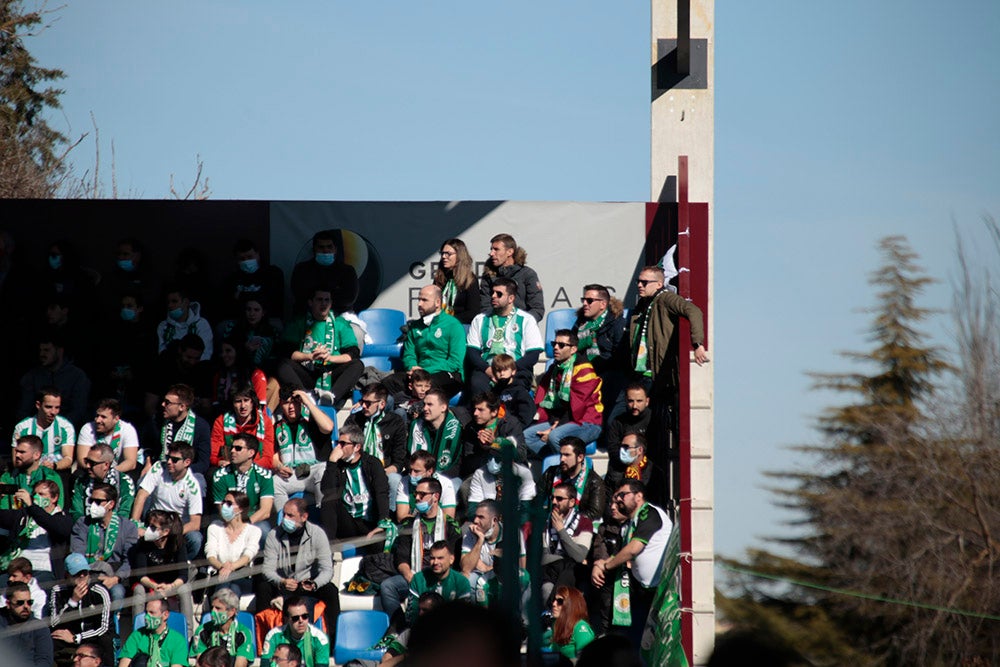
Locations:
column 487, row 550
column 129, row 438
column 447, row 491
column 52, row 440
column 484, row 484
column 217, row 545
column 182, row 496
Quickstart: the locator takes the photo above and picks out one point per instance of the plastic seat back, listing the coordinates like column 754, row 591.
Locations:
column 357, row 632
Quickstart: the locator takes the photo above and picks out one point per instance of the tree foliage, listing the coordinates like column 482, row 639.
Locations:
column 898, row 511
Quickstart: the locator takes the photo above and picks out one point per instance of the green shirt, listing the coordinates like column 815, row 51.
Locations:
column 237, row 640
column 27, row 482
column 436, row 347
column 256, row 482
column 454, row 586
column 173, row 649
column 319, row 642
column 296, row 331
column 583, row 634
column 84, row 485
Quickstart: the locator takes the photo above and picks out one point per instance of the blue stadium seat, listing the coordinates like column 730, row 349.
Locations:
column 176, row 622
column 564, row 318
column 357, row 632
column 455, row 400
column 384, row 325
column 245, row 619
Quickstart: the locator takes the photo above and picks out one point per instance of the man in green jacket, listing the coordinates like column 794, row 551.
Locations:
column 438, row 578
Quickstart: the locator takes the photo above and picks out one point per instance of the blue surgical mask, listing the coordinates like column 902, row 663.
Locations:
column 493, row 465
column 325, row 258
column 55, row 261
column 626, row 456
column 289, row 525
column 249, row 265
column 414, row 479
column 176, row 314
column 126, row 265
column 422, row 506
column 227, row 512
column 128, row 314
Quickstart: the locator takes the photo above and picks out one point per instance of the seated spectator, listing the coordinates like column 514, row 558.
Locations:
column 635, row 419
column 607, row 543
column 571, row 631
column 486, row 482
column 55, row 369
column 214, row 657
column 633, row 455
column 421, row 465
column 242, row 474
column 324, row 353
column 89, row 655
column 233, row 543
column 252, row 332
column 129, row 275
column 297, row 635
column 33, row 646
column 183, row 318
column 481, row 544
column 38, row 531
column 485, row 428
column 234, row 368
column 252, row 279
column 81, row 612
column 434, row 342
column 249, row 417
column 457, row 281
column 109, row 428
column 223, row 630
column 439, row 432
column 172, row 487
column 600, row 328
column 328, row 269
column 385, row 433
column 126, row 350
column 410, row 403
column 438, row 577
column 99, row 466
column 355, row 489
column 20, row 571
column 161, row 562
column 504, row 330
column 155, row 644
column 573, row 469
column 568, row 399
column 57, row 433
column 180, row 366
column 411, row 551
column 515, row 399
column 105, row 539
column 565, row 542
column 179, row 423
column 507, row 262
column 28, row 469
column 302, row 443
column 62, row 315
column 297, row 560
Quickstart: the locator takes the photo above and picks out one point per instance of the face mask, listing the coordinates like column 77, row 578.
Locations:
column 152, row 534
column 325, row 258
column 227, row 512
column 128, row 314
column 41, row 502
column 55, row 261
column 490, row 533
column 626, row 456
column 414, row 479
column 220, row 617
column 96, row 511
column 493, row 466
column 126, row 265
column 153, row 622
column 289, row 525
column 249, row 265
column 176, row 313
column 423, row 506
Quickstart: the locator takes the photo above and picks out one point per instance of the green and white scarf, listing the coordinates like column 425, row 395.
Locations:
column 299, row 449
column 448, row 297
column 98, row 549
column 444, row 444
column 356, row 498
column 231, row 428
column 621, row 608
column 587, row 333
column 498, row 334
column 113, row 439
column 641, row 340
column 321, row 333
column 184, row 434
column 373, row 437
column 419, row 530
column 560, row 378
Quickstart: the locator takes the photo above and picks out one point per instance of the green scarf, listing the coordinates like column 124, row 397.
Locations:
column 498, row 340
column 156, row 647
column 373, row 437
column 448, row 297
column 445, row 450
column 230, row 428
column 587, row 333
column 419, row 529
column 622, row 609
column 559, row 381
column 98, row 550
column 640, row 342
column 113, row 439
column 184, row 434
column 356, row 498
column 321, row 333
column 294, row 450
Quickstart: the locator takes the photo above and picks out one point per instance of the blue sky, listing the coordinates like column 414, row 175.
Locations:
column 836, row 124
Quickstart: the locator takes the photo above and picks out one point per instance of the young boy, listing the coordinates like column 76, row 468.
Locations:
column 410, row 404
column 516, row 401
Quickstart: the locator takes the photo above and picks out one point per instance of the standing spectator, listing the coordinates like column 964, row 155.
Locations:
column 105, row 539
column 456, row 278
column 80, row 611
column 507, row 260
column 327, row 270
column 32, row 642
column 600, row 327
column 109, row 427
column 57, row 433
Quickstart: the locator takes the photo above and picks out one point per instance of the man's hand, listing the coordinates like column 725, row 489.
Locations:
column 597, row 574
column 700, row 355
column 24, row 496
column 49, row 464
column 557, row 521
column 309, row 585
column 108, row 581
column 486, row 436
column 477, row 531
column 79, row 590
column 375, row 531
column 290, row 584
column 64, row 636
column 544, row 435
column 284, row 471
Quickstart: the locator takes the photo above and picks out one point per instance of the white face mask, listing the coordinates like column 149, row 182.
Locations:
column 626, row 456
column 96, row 511
column 493, row 466
column 490, row 533
column 152, row 534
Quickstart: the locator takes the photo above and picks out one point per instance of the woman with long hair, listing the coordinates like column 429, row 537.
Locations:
column 458, row 282
column 233, row 370
column 571, row 631
column 233, row 542
column 159, row 564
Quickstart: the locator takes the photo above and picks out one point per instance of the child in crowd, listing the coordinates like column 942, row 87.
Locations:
column 410, row 403
column 516, row 401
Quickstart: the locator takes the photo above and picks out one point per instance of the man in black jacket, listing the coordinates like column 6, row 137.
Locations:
column 355, row 489
column 384, row 433
column 21, row 635
column 485, row 427
column 507, row 261
column 80, row 611
column 38, row 525
column 573, row 469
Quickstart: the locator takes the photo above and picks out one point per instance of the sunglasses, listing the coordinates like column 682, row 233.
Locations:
column 560, row 498
column 589, row 300
column 21, row 603
column 299, row 617
column 621, row 495
column 345, row 443
column 557, row 344
column 175, row 459
column 238, row 448
column 367, row 403
column 91, row 464
column 558, row 601
column 422, row 494
column 96, row 501
column 643, row 283
column 499, row 295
